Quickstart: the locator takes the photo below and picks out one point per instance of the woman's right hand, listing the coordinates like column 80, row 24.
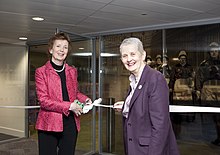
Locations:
column 77, row 109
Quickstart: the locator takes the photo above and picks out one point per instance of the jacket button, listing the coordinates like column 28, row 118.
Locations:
column 130, row 139
column 129, row 124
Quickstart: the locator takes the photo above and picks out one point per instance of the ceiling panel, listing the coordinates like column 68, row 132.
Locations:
column 198, row 5
column 156, row 7
column 98, row 16
column 212, row 1
column 138, row 14
column 83, row 4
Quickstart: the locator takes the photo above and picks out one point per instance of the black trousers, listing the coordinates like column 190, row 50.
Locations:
column 59, row 143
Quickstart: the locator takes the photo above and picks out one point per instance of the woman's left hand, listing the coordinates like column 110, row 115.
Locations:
column 118, row 106
column 88, row 101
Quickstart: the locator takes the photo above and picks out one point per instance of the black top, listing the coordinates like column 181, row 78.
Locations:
column 63, row 81
column 68, row 122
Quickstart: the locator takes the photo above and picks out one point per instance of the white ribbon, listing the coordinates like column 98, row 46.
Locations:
column 172, row 108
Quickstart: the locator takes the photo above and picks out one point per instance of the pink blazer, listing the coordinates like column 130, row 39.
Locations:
column 49, row 93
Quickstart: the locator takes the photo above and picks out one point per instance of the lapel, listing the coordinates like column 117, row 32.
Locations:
column 53, row 80
column 129, row 90
column 49, row 69
column 71, row 77
column 141, row 85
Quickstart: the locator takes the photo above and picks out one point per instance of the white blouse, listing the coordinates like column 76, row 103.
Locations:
column 133, row 83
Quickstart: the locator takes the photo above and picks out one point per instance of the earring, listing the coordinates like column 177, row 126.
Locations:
column 51, row 52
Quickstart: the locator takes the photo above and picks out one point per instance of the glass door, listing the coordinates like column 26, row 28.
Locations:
column 112, row 81
column 83, row 58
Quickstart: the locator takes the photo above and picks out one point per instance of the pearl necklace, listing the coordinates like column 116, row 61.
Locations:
column 61, row 69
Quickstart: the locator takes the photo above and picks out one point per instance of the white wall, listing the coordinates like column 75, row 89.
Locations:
column 13, row 82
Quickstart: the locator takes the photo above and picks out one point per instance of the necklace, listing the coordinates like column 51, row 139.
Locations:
column 61, row 69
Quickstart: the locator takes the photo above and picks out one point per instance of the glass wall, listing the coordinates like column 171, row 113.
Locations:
column 188, row 57
column 194, row 59
column 177, row 53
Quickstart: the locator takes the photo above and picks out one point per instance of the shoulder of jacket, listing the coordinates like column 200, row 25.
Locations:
column 41, row 68
column 68, row 67
column 153, row 74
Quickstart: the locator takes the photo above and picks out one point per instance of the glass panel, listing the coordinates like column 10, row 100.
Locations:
column 195, row 80
column 38, row 57
column 115, row 83
column 13, row 82
column 80, row 57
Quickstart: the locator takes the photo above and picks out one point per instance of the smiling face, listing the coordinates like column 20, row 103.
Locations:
column 59, row 51
column 132, row 59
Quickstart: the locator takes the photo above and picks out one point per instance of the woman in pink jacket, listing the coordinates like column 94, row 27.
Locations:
column 57, row 88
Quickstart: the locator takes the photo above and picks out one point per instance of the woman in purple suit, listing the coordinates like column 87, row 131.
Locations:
column 146, row 122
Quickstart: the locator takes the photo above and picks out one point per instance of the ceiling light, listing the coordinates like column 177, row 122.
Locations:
column 81, row 48
column 82, row 54
column 38, row 18
column 109, row 55
column 90, row 54
column 22, row 38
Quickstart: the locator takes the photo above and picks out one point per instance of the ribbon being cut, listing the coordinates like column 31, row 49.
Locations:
column 97, row 103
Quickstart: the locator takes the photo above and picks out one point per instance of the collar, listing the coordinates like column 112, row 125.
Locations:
column 134, row 79
column 50, row 67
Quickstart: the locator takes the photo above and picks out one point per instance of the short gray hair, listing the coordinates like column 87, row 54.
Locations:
column 133, row 41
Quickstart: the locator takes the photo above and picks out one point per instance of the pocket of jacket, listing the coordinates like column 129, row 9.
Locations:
column 144, row 141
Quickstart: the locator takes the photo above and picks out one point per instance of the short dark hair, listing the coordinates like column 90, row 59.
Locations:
column 58, row 36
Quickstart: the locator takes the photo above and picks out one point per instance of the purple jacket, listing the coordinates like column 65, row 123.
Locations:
column 148, row 130
column 49, row 93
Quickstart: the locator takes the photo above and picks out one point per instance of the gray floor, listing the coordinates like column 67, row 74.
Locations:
column 196, row 136
column 19, row 147
column 29, row 147
column 6, row 137
column 195, row 139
